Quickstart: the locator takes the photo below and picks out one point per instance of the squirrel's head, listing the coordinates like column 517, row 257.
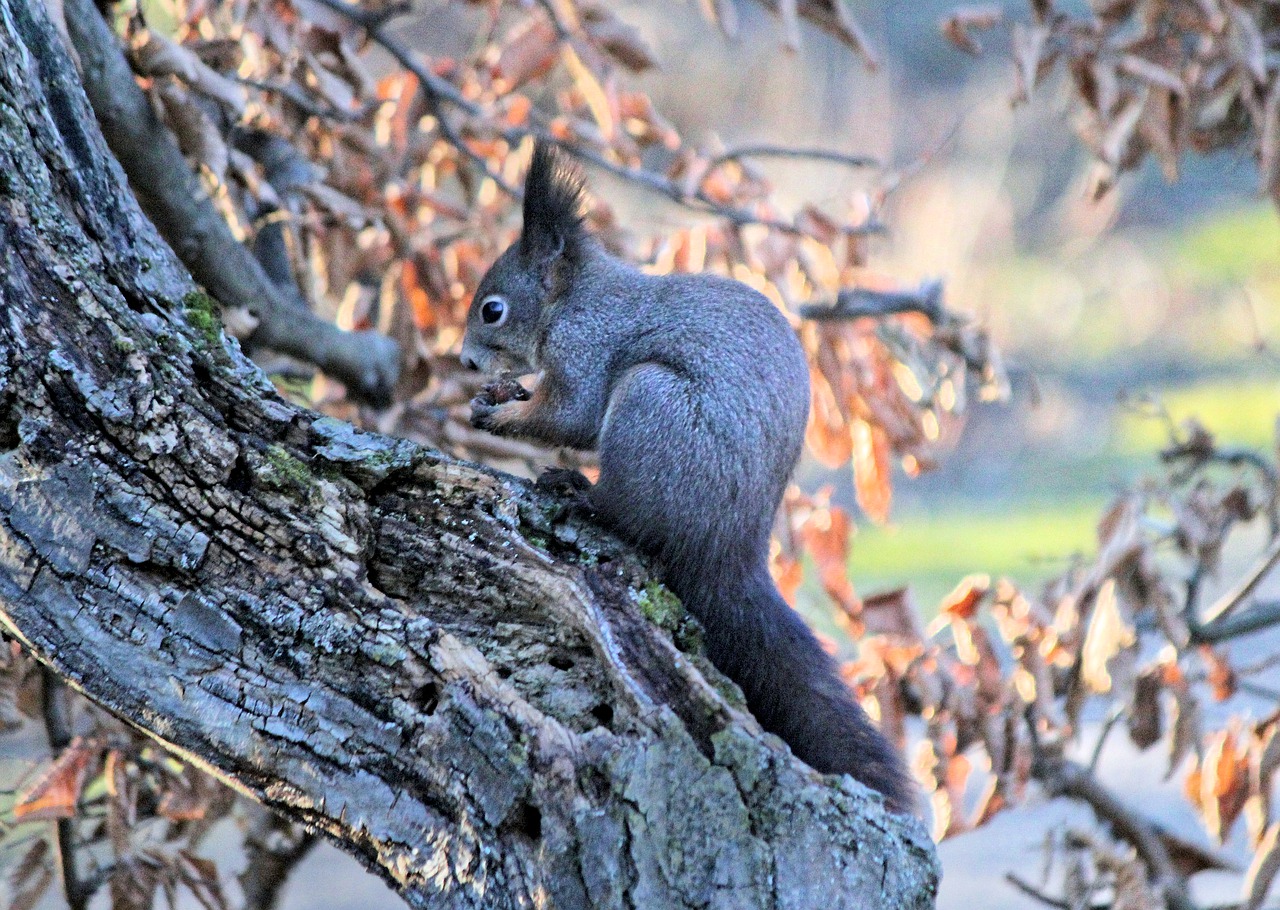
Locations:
column 506, row 313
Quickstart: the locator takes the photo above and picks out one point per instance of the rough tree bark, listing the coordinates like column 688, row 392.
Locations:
column 409, row 653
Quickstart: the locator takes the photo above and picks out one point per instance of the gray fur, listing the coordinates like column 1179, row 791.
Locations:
column 695, row 391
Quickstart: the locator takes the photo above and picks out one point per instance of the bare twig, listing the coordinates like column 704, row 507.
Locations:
column 1048, row 899
column 1259, row 616
column 57, row 725
column 299, row 99
column 1247, row 585
column 439, row 92
column 833, row 17
column 1116, row 712
column 799, row 154
column 436, row 90
column 858, row 303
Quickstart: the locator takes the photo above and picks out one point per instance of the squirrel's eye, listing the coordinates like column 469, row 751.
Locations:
column 493, row 311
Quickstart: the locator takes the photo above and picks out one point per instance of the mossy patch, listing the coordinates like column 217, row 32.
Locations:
column 664, row 610
column 285, row 472
column 660, row 606
column 202, row 315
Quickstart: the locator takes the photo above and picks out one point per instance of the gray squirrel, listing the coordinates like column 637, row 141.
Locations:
column 695, row 391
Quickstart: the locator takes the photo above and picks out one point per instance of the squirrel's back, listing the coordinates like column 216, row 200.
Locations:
column 704, row 424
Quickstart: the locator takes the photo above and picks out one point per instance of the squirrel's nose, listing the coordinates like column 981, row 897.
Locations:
column 469, row 363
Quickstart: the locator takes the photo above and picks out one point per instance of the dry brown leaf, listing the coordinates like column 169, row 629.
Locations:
column 200, row 875
column 616, row 38
column 57, row 791
column 31, row 876
column 958, row 28
column 197, row 135
column 890, row 613
column 871, row 469
column 966, row 597
column 1108, row 635
column 530, row 52
column 1187, row 727
column 1222, row 677
column 1146, row 716
column 1224, row 783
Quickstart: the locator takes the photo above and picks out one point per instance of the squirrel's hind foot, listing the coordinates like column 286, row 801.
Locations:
column 570, row 485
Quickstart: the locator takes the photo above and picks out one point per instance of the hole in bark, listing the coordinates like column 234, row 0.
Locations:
column 603, row 713
column 427, row 698
column 241, row 478
column 529, row 821
column 9, row 439
column 504, row 672
column 561, row 663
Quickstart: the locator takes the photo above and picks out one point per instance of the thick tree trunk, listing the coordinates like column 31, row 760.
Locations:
column 406, row 652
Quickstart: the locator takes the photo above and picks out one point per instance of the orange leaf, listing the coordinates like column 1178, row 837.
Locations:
column 871, row 470
column 962, row 603
column 57, row 791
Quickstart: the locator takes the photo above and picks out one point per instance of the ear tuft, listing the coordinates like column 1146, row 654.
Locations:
column 554, row 195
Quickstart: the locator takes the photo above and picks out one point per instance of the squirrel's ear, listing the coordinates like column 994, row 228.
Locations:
column 553, row 200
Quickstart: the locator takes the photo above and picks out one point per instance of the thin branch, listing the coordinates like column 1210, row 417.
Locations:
column 1067, row 778
column 1259, row 616
column 1233, row 598
column 440, row 92
column 298, row 98
column 859, row 303
column 1048, row 899
column 833, row 17
column 1113, row 716
column 436, row 90
column 796, row 153
column 57, row 725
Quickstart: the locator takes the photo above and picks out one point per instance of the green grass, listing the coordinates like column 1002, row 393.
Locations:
column 1028, row 542
column 1230, row 246
column 1238, row 412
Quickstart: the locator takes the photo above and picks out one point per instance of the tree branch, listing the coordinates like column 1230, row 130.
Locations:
column 864, row 303
column 57, row 724
column 1066, row 778
column 410, row 654
column 1246, row 586
column 366, row 362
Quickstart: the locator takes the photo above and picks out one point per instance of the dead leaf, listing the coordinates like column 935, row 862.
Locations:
column 197, row 135
column 57, row 791
column 31, row 877
column 1146, row 717
column 959, row 26
column 1107, row 636
column 871, row 469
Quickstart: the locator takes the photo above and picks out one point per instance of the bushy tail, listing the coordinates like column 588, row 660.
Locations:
column 793, row 687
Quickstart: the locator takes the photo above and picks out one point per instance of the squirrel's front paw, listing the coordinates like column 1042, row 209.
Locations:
column 487, row 405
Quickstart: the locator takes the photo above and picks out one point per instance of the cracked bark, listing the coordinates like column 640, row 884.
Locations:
column 408, row 653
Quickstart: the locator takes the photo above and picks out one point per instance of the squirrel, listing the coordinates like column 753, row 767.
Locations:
column 694, row 389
